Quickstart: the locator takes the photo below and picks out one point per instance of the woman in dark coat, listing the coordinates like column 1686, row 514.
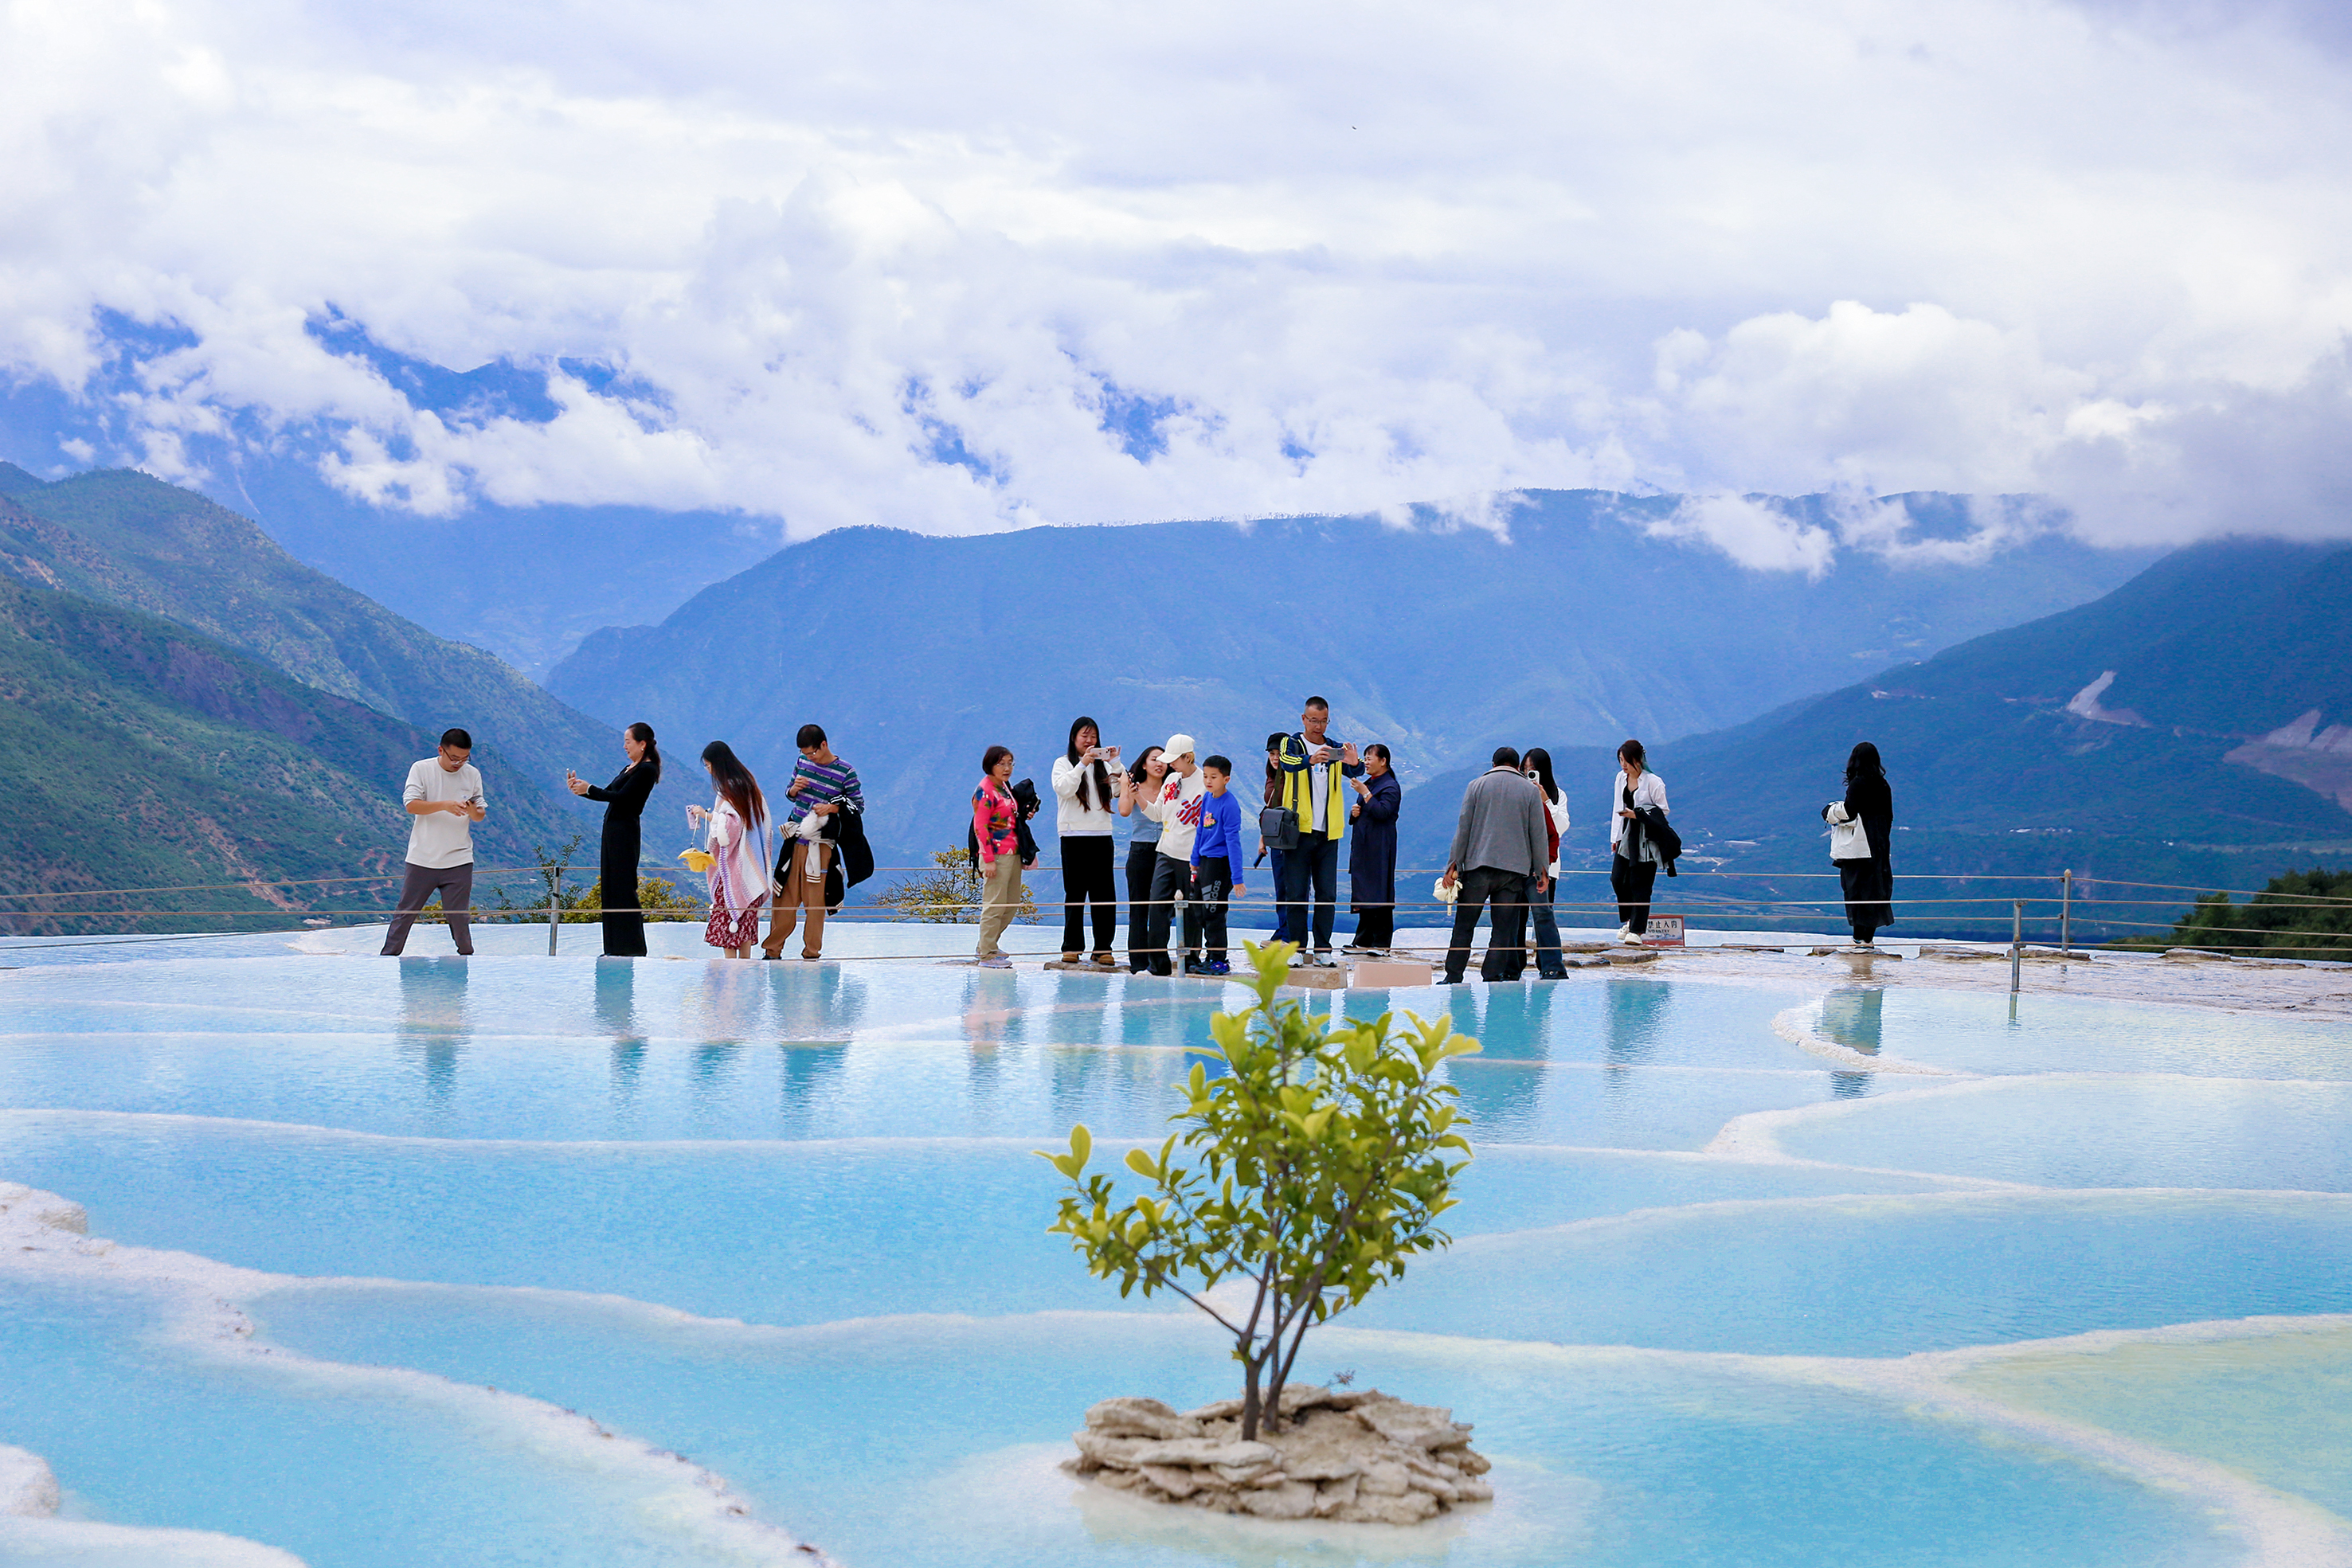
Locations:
column 1868, row 877
column 617, row 858
column 1372, row 852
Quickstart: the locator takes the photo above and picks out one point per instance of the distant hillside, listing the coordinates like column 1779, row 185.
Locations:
column 2193, row 725
column 136, row 754
column 124, row 537
column 915, row 652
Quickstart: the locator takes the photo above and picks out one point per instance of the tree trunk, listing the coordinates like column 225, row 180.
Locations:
column 1250, row 1408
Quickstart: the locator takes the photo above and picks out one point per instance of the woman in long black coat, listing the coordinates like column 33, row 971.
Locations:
column 1372, row 852
column 1868, row 881
column 616, row 857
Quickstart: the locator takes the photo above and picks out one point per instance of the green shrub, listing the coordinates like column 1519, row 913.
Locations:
column 1313, row 1163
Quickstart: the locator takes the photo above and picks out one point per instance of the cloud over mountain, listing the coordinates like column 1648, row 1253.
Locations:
column 955, row 268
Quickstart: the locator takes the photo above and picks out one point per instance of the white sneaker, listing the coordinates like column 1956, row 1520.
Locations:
column 1624, row 934
column 1631, row 939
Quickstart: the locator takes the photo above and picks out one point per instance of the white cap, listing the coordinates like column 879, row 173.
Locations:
column 1178, row 745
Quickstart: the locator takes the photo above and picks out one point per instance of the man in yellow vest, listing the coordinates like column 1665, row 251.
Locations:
column 1313, row 765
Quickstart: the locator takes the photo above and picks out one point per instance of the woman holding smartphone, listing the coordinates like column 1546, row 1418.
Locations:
column 1137, row 786
column 1087, row 801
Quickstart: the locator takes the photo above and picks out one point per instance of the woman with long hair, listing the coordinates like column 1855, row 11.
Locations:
column 1866, row 868
column 1536, row 764
column 1372, row 853
column 737, row 837
column 1140, row 784
column 1088, row 783
column 1633, row 858
column 996, row 833
column 623, row 840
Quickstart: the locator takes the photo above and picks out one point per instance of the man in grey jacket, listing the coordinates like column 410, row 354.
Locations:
column 1500, row 850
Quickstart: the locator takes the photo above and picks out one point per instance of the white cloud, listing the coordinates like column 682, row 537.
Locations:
column 906, row 262
column 1752, row 532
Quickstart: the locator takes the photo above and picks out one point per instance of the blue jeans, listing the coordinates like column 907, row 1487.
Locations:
column 1547, row 960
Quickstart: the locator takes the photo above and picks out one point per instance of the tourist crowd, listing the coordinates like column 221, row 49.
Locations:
column 1189, row 838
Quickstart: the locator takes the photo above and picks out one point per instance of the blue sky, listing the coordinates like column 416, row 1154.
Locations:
column 958, row 268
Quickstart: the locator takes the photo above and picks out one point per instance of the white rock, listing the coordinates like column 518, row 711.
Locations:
column 1291, row 1499
column 1139, row 1418
column 1201, row 1451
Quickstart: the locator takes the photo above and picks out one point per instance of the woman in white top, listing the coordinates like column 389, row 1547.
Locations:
column 736, row 820
column 1088, row 801
column 1632, row 858
column 1536, row 764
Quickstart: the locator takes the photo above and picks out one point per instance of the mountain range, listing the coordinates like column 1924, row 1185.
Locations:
column 1585, row 622
column 2193, row 726
column 189, row 704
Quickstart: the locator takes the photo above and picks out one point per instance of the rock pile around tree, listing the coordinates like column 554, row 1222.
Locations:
column 1359, row 1455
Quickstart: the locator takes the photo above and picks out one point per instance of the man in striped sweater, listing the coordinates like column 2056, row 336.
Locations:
column 822, row 786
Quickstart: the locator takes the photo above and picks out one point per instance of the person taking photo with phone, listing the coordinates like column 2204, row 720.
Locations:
column 1314, row 766
column 443, row 797
column 1087, row 788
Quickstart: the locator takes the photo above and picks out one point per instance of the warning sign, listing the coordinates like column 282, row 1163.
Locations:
column 1665, row 931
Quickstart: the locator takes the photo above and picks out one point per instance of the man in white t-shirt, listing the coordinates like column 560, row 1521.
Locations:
column 444, row 799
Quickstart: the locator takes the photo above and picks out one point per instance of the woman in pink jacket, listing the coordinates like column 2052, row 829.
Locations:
column 996, row 825
column 737, row 823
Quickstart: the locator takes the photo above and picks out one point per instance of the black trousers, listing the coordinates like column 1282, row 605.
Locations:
column 455, row 885
column 1868, row 884
column 1171, row 880
column 1508, row 939
column 1313, row 866
column 1142, row 860
column 1376, row 926
column 1632, row 881
column 1087, row 874
column 1204, row 911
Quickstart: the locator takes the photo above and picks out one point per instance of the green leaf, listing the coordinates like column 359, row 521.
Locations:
column 1082, row 1144
column 1142, row 1164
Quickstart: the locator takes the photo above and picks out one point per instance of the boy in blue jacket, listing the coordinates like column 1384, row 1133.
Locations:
column 1216, row 868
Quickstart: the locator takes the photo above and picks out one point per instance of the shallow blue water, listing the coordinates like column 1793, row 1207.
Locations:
column 2120, row 1132
column 838, row 1156
column 145, row 1433
column 945, row 1426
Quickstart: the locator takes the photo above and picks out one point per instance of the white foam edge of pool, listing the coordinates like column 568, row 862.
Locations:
column 43, row 1237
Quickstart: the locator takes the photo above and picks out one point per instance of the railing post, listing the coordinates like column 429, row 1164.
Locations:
column 2016, row 945
column 2066, row 912
column 551, row 907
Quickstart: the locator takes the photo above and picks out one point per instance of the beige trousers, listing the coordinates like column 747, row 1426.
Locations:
column 1000, row 895
column 804, row 889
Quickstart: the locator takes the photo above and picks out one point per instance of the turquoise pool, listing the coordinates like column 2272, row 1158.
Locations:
column 532, row 1260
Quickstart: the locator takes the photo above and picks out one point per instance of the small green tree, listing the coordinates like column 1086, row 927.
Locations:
column 948, row 893
column 657, row 896
column 1313, row 1164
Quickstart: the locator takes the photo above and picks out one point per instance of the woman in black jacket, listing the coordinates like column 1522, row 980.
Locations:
column 616, row 857
column 1866, row 869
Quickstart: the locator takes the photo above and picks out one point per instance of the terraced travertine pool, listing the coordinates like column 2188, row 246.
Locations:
column 532, row 1260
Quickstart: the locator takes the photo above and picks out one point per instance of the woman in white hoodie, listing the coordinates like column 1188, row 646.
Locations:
column 736, row 819
column 1632, row 858
column 1087, row 801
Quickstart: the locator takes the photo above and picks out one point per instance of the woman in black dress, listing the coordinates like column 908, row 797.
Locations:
column 1866, row 870
column 616, row 860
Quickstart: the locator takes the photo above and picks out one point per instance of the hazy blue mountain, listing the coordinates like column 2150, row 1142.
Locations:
column 135, row 753
column 915, row 652
column 525, row 583
column 126, row 538
column 2194, row 726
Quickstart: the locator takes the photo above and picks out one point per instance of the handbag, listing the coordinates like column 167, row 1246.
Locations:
column 1849, row 840
column 1279, row 826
